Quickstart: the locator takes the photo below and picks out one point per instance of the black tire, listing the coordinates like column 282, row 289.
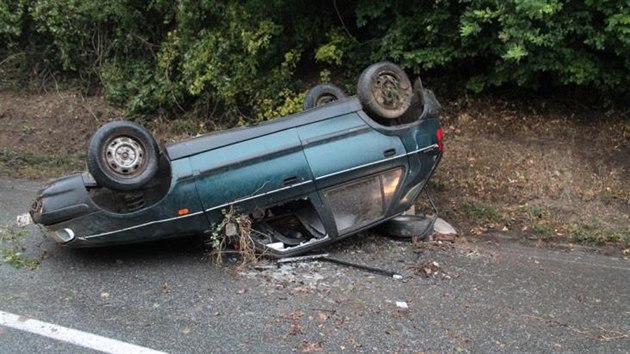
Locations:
column 322, row 94
column 408, row 227
column 384, row 90
column 123, row 156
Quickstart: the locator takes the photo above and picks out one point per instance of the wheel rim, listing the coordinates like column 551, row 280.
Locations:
column 387, row 91
column 125, row 156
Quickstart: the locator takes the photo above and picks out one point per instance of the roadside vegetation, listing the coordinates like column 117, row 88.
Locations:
column 538, row 169
column 535, row 92
column 238, row 62
column 12, row 251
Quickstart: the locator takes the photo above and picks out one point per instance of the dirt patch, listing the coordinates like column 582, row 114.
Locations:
column 46, row 135
column 544, row 169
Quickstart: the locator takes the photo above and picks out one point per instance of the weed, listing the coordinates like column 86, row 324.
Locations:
column 15, row 258
column 542, row 229
column 595, row 233
column 27, row 130
column 9, row 234
column 480, row 211
column 12, row 253
column 535, row 212
column 538, row 221
column 607, row 196
column 235, row 230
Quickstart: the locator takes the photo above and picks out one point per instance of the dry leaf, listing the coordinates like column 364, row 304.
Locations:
column 307, row 347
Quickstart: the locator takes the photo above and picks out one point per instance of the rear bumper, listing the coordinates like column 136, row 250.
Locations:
column 61, row 200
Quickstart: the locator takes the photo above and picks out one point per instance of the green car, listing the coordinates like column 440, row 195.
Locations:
column 343, row 165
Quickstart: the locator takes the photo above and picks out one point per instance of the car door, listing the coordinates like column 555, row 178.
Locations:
column 252, row 174
column 355, row 167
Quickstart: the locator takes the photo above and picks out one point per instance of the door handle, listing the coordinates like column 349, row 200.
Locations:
column 389, row 152
column 290, row 180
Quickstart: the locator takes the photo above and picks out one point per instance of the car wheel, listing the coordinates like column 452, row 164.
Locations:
column 408, row 227
column 384, row 90
column 322, row 94
column 122, row 155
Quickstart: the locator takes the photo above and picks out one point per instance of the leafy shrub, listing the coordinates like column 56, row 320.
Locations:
column 252, row 60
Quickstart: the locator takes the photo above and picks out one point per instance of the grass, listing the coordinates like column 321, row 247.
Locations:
column 479, row 211
column 29, row 165
column 597, row 234
column 538, row 220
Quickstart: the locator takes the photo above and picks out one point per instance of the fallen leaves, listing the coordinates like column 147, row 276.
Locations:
column 310, row 347
column 294, row 318
column 430, row 269
column 426, row 269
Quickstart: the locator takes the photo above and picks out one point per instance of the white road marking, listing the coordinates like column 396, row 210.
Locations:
column 72, row 336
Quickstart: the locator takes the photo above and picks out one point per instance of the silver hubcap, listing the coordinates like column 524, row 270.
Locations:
column 124, row 155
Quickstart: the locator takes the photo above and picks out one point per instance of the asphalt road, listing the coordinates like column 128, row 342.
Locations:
column 481, row 297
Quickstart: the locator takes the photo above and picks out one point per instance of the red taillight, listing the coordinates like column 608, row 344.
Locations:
column 440, row 137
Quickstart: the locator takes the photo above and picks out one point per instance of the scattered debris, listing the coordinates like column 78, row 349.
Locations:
column 437, row 246
column 444, row 237
column 325, row 257
column 23, row 220
column 313, row 347
column 165, row 288
column 294, row 318
column 402, row 305
column 429, row 270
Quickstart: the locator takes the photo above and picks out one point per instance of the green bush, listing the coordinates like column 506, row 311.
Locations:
column 250, row 60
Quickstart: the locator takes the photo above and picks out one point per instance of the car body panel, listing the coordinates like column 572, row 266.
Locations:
column 252, row 174
column 337, row 149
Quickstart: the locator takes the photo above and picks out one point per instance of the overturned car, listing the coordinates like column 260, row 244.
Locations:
column 343, row 165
